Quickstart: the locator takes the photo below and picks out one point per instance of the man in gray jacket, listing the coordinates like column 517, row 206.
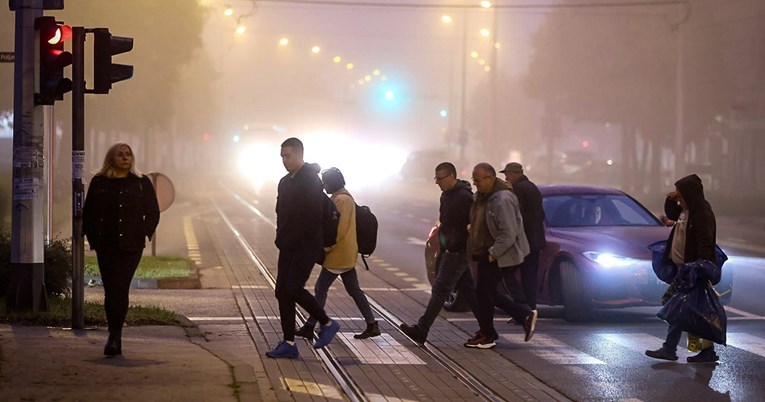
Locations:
column 497, row 241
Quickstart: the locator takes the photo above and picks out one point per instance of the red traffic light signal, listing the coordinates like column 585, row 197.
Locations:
column 52, row 61
column 104, row 71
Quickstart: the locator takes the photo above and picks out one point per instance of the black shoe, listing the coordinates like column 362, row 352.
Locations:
column 529, row 325
column 113, row 345
column 372, row 330
column 707, row 355
column 414, row 332
column 661, row 353
column 306, row 331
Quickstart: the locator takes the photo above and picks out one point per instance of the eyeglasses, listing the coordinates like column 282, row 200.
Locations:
column 438, row 179
column 476, row 181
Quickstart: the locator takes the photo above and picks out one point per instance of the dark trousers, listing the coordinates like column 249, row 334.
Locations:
column 117, row 269
column 351, row 283
column 453, row 273
column 294, row 269
column 529, row 268
column 674, row 332
column 486, row 289
column 528, row 285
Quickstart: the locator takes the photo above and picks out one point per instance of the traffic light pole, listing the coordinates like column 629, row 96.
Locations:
column 78, row 164
column 27, row 282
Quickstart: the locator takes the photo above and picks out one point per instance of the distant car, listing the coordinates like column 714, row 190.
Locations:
column 596, row 254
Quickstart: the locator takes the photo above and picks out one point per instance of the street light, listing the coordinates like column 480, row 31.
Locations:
column 284, row 42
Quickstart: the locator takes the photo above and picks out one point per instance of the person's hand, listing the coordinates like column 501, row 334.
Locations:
column 673, row 195
column 491, row 258
column 666, row 221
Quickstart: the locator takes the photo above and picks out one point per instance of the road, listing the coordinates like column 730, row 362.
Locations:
column 599, row 360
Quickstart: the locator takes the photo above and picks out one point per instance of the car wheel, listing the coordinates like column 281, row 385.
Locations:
column 456, row 303
column 575, row 300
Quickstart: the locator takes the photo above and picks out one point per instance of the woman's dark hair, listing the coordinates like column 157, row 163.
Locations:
column 333, row 179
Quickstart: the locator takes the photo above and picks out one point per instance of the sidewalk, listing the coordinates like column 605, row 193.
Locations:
column 159, row 363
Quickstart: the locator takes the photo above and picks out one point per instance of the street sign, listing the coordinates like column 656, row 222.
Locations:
column 7, row 57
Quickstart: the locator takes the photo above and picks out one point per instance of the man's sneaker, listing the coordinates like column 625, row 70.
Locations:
column 326, row 333
column 707, row 355
column 284, row 351
column 661, row 353
column 373, row 329
column 480, row 341
column 529, row 325
column 414, row 332
column 306, row 331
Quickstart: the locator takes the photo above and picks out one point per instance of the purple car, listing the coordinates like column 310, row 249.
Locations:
column 596, row 254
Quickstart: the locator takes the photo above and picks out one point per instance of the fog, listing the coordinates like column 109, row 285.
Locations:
column 598, row 93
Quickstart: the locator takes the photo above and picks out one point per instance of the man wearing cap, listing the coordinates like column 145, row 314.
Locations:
column 530, row 200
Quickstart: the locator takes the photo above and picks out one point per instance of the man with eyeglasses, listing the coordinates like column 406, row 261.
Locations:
column 497, row 241
column 453, row 268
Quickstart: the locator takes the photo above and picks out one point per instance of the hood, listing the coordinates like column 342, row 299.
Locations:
column 627, row 241
column 314, row 168
column 692, row 190
column 500, row 185
column 460, row 185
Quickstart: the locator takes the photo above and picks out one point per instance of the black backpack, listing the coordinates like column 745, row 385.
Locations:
column 366, row 232
column 329, row 221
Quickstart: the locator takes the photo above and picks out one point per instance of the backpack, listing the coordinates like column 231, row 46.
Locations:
column 366, row 232
column 329, row 221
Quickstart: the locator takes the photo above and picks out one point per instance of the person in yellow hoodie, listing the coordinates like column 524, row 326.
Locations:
column 340, row 259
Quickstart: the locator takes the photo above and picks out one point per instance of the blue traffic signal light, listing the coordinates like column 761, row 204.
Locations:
column 52, row 61
column 105, row 73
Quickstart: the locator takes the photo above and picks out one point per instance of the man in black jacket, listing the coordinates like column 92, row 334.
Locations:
column 533, row 214
column 693, row 238
column 299, row 237
column 453, row 267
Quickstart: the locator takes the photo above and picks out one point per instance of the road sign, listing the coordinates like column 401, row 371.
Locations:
column 7, row 57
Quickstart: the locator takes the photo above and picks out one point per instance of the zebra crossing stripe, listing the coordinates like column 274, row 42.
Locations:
column 747, row 342
column 635, row 341
column 552, row 350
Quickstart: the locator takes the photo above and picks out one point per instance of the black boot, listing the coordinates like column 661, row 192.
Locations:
column 113, row 345
column 306, row 331
column 372, row 330
column 707, row 355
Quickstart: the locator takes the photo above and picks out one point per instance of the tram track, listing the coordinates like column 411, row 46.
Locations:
column 344, row 379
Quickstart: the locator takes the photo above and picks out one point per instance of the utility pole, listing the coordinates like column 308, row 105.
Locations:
column 27, row 281
column 78, row 165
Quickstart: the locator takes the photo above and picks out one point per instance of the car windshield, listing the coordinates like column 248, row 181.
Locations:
column 578, row 210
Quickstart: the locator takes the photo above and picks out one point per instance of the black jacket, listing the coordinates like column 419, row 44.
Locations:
column 299, row 209
column 120, row 212
column 530, row 200
column 454, row 214
column 701, row 229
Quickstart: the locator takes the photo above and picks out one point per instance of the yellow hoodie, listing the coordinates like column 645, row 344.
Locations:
column 343, row 255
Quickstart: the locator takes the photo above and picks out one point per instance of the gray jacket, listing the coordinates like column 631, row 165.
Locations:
column 503, row 218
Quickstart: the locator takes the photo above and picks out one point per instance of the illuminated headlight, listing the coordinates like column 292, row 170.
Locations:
column 607, row 260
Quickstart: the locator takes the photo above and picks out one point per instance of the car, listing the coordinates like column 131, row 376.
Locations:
column 596, row 254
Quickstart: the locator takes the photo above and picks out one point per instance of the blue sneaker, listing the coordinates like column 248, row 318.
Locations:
column 284, row 351
column 326, row 333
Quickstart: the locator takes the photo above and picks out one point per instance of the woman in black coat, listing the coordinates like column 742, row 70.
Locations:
column 120, row 212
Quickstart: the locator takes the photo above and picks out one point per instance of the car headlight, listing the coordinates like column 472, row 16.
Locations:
column 608, row 260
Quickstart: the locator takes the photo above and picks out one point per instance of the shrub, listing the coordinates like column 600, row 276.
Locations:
column 58, row 265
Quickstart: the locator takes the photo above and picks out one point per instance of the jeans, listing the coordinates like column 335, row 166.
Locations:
column 453, row 272
column 117, row 269
column 295, row 267
column 486, row 289
column 351, row 282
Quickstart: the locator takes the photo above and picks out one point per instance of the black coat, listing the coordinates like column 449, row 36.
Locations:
column 533, row 214
column 454, row 215
column 120, row 212
column 299, row 210
column 701, row 229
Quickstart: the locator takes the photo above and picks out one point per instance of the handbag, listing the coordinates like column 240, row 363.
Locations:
column 698, row 311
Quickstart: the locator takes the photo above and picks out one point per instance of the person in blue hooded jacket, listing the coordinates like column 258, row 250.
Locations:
column 692, row 238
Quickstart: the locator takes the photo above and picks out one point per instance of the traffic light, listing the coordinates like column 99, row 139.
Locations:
column 53, row 59
column 104, row 71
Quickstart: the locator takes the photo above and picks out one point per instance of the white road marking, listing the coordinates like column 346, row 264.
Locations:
column 552, row 350
column 744, row 314
column 416, row 241
column 639, row 342
column 381, row 349
column 747, row 342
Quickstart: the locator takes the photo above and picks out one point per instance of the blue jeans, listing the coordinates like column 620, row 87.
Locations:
column 453, row 272
column 351, row 283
